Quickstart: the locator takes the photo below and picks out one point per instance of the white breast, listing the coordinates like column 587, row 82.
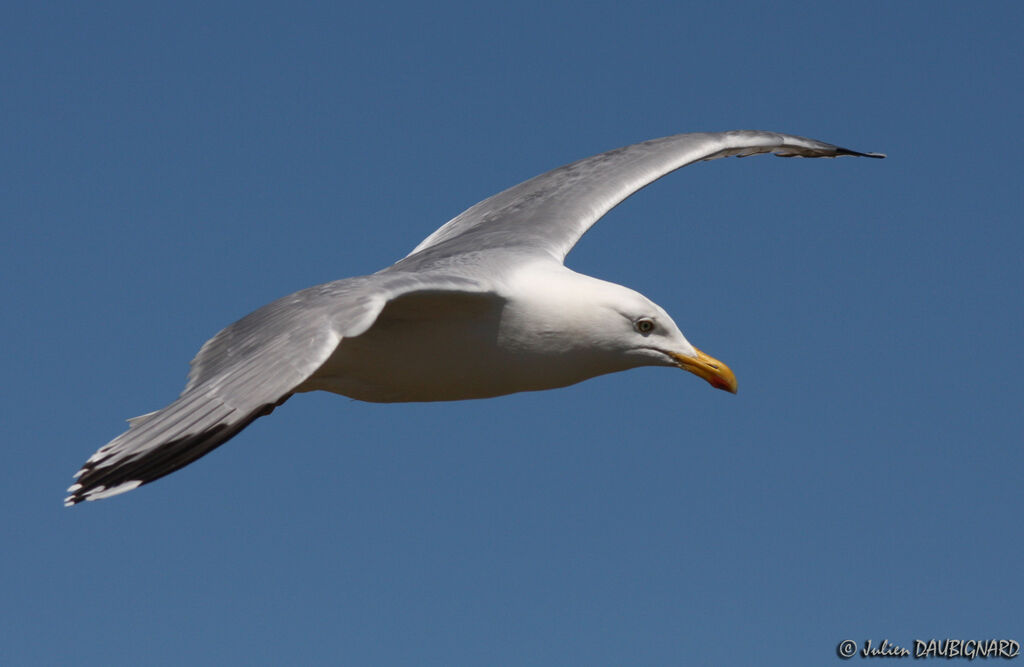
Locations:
column 452, row 346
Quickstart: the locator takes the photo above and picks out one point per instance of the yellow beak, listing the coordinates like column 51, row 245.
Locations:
column 714, row 371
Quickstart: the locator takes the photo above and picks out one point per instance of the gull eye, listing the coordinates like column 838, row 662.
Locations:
column 644, row 325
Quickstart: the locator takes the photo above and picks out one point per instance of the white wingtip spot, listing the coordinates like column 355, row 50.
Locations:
column 74, row 487
column 103, row 492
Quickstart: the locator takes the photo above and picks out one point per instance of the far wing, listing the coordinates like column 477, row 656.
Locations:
column 241, row 374
column 549, row 213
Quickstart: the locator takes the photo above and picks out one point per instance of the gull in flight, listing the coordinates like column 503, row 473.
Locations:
column 482, row 307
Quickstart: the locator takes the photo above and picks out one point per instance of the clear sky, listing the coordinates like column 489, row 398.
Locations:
column 167, row 167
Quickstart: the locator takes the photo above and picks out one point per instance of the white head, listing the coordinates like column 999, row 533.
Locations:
column 607, row 327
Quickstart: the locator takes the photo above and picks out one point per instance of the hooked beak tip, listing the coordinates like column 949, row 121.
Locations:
column 706, row 367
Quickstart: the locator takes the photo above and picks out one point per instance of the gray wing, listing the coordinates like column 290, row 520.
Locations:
column 549, row 213
column 243, row 373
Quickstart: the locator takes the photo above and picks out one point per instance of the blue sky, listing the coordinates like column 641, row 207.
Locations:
column 169, row 167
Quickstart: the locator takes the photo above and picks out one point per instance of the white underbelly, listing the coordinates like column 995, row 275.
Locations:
column 444, row 349
column 384, row 369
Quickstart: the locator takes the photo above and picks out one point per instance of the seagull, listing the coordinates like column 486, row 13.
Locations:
column 482, row 307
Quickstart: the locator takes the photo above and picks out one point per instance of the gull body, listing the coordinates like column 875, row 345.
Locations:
column 482, row 307
column 541, row 327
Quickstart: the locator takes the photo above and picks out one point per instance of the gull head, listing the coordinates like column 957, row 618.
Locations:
column 646, row 333
column 599, row 327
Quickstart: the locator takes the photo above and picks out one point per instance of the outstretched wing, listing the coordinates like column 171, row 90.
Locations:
column 549, row 213
column 241, row 374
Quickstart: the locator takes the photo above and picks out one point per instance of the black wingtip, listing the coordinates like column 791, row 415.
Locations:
column 100, row 478
column 847, row 151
